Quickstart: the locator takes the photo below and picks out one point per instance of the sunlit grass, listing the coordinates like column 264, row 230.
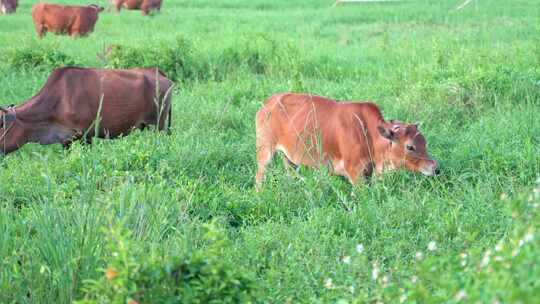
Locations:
column 471, row 77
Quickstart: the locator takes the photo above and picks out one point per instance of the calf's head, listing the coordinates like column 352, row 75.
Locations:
column 408, row 147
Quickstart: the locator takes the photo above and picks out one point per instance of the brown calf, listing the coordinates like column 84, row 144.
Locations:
column 351, row 137
column 66, row 107
column 65, row 19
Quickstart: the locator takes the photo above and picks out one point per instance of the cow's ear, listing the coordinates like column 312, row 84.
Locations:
column 386, row 132
column 8, row 117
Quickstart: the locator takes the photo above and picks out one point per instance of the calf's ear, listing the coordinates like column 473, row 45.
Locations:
column 386, row 132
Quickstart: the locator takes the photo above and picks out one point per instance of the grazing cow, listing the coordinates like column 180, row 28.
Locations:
column 66, row 107
column 144, row 5
column 351, row 137
column 75, row 21
column 8, row 6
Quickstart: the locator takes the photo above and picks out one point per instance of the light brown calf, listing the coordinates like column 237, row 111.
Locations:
column 351, row 137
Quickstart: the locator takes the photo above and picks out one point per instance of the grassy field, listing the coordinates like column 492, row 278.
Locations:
column 153, row 218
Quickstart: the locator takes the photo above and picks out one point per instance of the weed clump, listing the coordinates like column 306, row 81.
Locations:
column 256, row 54
column 201, row 276
column 36, row 55
column 175, row 59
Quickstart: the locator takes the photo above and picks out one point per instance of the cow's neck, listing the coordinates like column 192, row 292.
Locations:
column 382, row 150
column 34, row 111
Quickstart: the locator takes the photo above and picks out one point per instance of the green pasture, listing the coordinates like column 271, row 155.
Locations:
column 156, row 218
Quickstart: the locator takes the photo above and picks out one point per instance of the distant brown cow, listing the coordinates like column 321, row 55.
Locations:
column 65, row 19
column 351, row 137
column 8, row 6
column 144, row 5
column 66, row 107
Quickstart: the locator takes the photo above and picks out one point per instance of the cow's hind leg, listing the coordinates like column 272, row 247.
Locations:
column 40, row 30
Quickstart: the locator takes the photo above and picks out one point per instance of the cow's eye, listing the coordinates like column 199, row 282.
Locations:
column 410, row 148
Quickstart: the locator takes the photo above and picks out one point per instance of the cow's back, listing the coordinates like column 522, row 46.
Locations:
column 126, row 99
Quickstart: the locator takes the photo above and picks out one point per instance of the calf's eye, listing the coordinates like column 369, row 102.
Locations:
column 410, row 148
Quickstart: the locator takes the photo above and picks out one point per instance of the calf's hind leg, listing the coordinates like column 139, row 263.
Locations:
column 265, row 152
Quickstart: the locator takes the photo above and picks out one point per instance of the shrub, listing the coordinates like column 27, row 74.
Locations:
column 40, row 55
column 201, row 276
column 176, row 60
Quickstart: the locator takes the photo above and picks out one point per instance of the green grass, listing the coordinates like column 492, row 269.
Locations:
column 148, row 201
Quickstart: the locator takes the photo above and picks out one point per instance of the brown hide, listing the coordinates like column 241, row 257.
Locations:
column 8, row 6
column 66, row 107
column 65, row 19
column 351, row 137
column 144, row 5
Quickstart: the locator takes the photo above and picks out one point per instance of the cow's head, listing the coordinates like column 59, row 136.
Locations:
column 408, row 147
column 11, row 132
column 98, row 8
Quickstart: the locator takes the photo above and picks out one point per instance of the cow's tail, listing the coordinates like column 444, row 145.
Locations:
column 169, row 119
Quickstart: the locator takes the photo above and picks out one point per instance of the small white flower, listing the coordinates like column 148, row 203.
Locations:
column 351, row 289
column 463, row 255
column 360, row 248
column 385, row 281
column 375, row 271
column 498, row 258
column 346, row 259
column 499, row 247
column 528, row 237
column 521, row 243
column 419, row 256
column 403, row 298
column 414, row 279
column 485, row 259
column 329, row 284
column 461, row 295
column 432, row 246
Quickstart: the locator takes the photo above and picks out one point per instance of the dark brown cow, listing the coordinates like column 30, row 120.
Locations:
column 66, row 107
column 351, row 137
column 65, row 19
column 8, row 6
column 144, row 5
